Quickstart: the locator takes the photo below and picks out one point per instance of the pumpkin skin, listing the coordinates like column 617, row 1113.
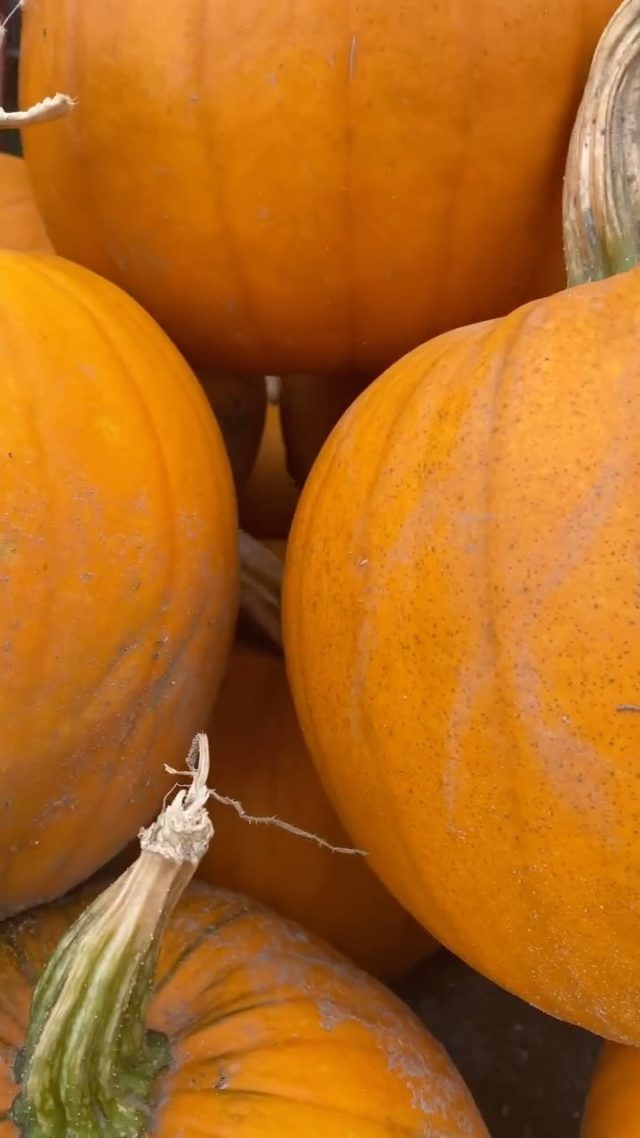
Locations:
column 460, row 613
column 118, row 571
column 342, row 203
column 21, row 226
column 613, row 1103
column 271, row 1032
column 261, row 760
column 268, row 500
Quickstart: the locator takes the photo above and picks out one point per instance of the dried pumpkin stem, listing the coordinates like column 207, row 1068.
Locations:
column 601, row 204
column 88, row 1063
column 261, row 586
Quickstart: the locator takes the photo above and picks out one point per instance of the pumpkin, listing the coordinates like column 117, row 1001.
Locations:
column 254, row 1027
column 240, row 406
column 310, row 190
column 262, row 762
column 613, row 1103
column 118, row 570
column 460, row 615
column 21, row 226
column 268, row 500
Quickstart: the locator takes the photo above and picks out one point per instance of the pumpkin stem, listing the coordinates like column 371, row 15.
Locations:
column 89, row 1063
column 261, row 587
column 601, row 206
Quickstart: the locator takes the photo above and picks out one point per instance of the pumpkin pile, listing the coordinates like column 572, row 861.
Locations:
column 319, row 374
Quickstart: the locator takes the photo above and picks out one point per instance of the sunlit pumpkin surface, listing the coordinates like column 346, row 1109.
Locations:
column 317, row 186
column 461, row 613
column 271, row 1033
column 118, row 571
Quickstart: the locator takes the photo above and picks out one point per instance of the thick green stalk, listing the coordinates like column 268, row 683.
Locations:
column 89, row 1063
column 601, row 207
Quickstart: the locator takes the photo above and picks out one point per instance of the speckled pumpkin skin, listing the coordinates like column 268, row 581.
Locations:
column 462, row 612
column 118, row 571
column 613, row 1103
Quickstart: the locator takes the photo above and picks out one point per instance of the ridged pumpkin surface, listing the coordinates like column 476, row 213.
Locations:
column 462, row 603
column 613, row 1102
column 315, row 186
column 21, row 226
column 117, row 571
column 260, row 758
column 272, row 1034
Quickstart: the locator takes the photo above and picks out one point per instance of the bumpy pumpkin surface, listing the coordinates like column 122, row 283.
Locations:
column 613, row 1102
column 21, row 226
column 317, row 187
column 260, row 759
column 461, row 607
column 270, row 1033
column 118, row 571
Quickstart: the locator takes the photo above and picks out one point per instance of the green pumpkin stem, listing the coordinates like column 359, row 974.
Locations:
column 89, row 1062
column 601, row 207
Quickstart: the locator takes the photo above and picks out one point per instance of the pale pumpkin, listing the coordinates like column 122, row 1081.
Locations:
column 254, row 1029
column 21, row 226
column 613, row 1103
column 309, row 188
column 118, row 570
column 461, row 612
column 260, row 760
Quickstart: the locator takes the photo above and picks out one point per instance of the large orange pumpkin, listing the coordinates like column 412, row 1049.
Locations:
column 21, row 226
column 613, row 1103
column 461, row 619
column 309, row 188
column 255, row 1028
column 117, row 570
column 260, row 759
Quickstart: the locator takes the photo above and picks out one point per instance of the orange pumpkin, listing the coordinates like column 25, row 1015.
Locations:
column 21, row 226
column 268, row 500
column 613, row 1102
column 461, row 606
column 314, row 189
column 118, row 572
column 261, row 760
column 254, row 1028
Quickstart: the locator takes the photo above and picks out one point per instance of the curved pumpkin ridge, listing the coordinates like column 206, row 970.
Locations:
column 154, row 682
column 442, row 668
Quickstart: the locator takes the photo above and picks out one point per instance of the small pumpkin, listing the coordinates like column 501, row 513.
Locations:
column 254, row 1027
column 118, row 570
column 325, row 186
column 613, row 1103
column 261, row 761
column 21, row 226
column 461, row 606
